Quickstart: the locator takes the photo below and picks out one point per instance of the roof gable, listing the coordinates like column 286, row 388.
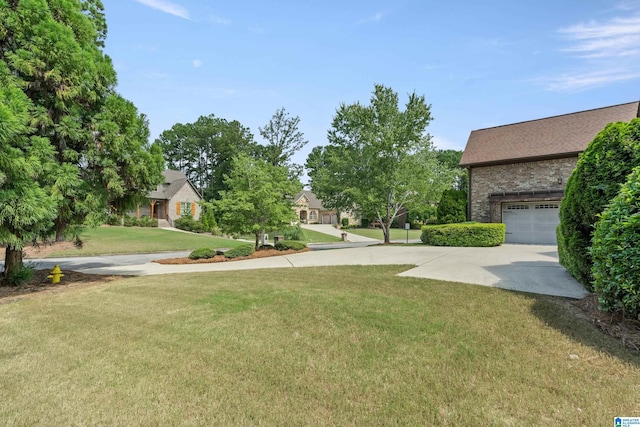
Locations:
column 557, row 136
column 312, row 201
column 173, row 182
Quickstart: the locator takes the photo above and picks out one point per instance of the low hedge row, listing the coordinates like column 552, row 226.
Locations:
column 465, row 234
column 239, row 251
column 283, row 245
column 189, row 224
column 202, row 253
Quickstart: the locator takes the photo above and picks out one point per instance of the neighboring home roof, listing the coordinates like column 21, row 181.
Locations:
column 313, row 201
column 551, row 137
column 173, row 182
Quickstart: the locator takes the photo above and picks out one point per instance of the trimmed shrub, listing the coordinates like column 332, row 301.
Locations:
column 240, row 251
column 283, row 245
column 146, row 221
column 345, row 222
column 189, row 224
column 113, row 219
column 452, row 207
column 21, row 274
column 129, row 221
column 293, row 232
column 616, row 253
column 202, row 253
column 600, row 171
column 467, row 234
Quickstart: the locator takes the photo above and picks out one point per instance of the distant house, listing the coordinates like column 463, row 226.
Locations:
column 172, row 199
column 518, row 172
column 309, row 209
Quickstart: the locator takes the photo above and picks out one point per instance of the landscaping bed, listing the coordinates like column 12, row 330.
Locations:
column 262, row 253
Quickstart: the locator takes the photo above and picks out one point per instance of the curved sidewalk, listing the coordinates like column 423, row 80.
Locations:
column 526, row 268
column 332, row 231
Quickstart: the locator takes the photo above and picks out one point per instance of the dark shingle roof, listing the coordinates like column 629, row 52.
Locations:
column 314, row 202
column 550, row 137
column 173, row 182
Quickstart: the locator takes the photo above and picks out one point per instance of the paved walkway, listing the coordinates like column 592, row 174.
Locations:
column 332, row 231
column 527, row 268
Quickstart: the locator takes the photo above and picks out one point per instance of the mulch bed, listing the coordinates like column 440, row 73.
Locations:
column 40, row 283
column 614, row 324
column 262, row 253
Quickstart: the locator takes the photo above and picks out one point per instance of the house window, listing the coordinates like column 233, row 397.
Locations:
column 313, row 216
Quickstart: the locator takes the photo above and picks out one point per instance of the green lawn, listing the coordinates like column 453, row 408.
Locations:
column 376, row 233
column 319, row 346
column 310, row 237
column 128, row 240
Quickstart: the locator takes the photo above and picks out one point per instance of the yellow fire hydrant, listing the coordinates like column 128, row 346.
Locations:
column 55, row 275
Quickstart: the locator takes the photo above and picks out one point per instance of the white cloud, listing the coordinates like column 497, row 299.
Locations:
column 219, row 21
column 585, row 80
column 197, row 63
column 377, row 17
column 166, row 7
column 607, row 51
column 618, row 37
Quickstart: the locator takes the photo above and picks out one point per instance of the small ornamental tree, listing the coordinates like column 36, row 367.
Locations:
column 259, row 198
column 600, row 171
column 616, row 252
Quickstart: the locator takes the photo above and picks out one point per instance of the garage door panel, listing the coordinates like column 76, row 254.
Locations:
column 531, row 222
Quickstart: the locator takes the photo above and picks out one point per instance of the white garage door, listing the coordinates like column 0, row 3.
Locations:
column 533, row 223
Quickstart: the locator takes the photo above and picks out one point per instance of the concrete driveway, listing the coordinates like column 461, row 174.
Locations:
column 527, row 268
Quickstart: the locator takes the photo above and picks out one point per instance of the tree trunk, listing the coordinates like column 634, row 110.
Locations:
column 12, row 262
column 60, row 229
column 257, row 240
column 386, row 231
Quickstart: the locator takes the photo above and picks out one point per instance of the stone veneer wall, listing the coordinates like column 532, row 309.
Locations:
column 526, row 176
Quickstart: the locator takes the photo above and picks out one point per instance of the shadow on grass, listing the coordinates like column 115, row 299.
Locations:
column 559, row 314
column 537, row 278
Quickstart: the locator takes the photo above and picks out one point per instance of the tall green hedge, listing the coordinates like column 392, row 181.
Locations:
column 616, row 251
column 600, row 171
column 452, row 207
column 468, row 234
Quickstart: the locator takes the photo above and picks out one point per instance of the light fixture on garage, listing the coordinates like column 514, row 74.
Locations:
column 560, row 181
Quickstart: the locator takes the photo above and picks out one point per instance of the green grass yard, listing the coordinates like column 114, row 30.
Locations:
column 376, row 233
column 129, row 240
column 318, row 346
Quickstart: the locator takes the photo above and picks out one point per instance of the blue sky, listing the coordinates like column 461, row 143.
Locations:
column 479, row 64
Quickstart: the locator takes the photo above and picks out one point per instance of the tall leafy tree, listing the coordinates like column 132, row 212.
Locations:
column 259, row 198
column 451, row 159
column 52, row 50
column 379, row 159
column 284, row 139
column 203, row 150
column 125, row 166
column 27, row 208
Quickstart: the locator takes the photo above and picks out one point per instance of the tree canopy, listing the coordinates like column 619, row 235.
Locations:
column 379, row 159
column 259, row 198
column 69, row 130
column 204, row 150
column 284, row 139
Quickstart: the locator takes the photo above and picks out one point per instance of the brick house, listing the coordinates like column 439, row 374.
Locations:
column 518, row 172
column 171, row 199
